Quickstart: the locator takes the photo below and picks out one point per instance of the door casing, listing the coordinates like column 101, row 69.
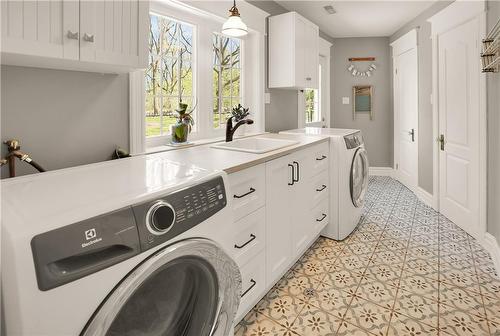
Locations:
column 403, row 46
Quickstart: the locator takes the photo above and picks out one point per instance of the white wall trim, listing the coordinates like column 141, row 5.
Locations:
column 491, row 245
column 455, row 14
column 450, row 17
column 426, row 197
column 136, row 112
column 404, row 43
column 381, row 171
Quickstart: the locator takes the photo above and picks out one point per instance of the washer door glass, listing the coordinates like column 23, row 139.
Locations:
column 359, row 177
column 174, row 292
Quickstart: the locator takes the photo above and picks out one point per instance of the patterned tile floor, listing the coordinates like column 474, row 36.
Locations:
column 406, row 270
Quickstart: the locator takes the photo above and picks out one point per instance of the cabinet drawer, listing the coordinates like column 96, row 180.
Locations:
column 320, row 216
column 319, row 188
column 249, row 237
column 247, row 190
column 320, row 158
column 253, row 277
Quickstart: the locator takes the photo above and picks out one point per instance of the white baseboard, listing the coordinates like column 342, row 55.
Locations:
column 426, row 197
column 491, row 245
column 381, row 171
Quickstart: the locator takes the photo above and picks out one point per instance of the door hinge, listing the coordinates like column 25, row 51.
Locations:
column 397, row 166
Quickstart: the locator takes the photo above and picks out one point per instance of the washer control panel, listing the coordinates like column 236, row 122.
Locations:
column 167, row 217
column 353, row 140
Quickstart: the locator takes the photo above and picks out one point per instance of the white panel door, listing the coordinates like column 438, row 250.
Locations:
column 279, row 252
column 41, row 28
column 459, row 105
column 406, row 106
column 114, row 32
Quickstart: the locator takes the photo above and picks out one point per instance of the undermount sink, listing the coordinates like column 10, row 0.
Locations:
column 255, row 145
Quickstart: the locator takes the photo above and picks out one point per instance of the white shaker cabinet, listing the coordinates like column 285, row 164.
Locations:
column 279, row 252
column 293, row 52
column 102, row 36
column 114, row 32
column 41, row 28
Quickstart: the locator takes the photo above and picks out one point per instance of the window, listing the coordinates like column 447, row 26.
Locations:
column 313, row 101
column 169, row 77
column 312, row 105
column 226, row 77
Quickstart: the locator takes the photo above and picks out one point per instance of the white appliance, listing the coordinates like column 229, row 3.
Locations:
column 348, row 175
column 126, row 247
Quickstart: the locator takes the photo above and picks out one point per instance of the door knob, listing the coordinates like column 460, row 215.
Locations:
column 88, row 38
column 441, row 141
column 412, row 133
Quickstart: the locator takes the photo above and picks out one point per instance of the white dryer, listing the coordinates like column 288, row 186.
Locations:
column 128, row 247
column 348, row 176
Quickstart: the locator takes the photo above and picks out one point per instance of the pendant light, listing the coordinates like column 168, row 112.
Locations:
column 234, row 26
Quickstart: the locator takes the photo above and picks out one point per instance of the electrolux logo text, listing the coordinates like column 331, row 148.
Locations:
column 90, row 237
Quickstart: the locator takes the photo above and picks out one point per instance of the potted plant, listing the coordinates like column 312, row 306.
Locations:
column 184, row 124
column 239, row 113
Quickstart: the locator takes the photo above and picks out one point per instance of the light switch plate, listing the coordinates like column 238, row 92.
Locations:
column 267, row 98
column 345, row 100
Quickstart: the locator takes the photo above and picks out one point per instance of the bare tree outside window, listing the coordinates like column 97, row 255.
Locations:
column 312, row 105
column 226, row 77
column 169, row 77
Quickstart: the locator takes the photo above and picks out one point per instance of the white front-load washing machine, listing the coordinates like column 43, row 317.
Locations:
column 348, row 176
column 129, row 247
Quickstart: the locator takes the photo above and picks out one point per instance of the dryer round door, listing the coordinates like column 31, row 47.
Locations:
column 359, row 177
column 190, row 288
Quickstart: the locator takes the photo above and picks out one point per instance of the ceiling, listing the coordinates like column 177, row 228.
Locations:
column 359, row 18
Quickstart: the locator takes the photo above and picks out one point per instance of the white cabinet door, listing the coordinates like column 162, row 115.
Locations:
column 279, row 252
column 293, row 52
column 299, row 204
column 300, row 52
column 40, row 28
column 114, row 32
column 311, row 59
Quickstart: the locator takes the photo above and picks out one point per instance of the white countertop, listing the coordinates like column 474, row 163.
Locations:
column 229, row 161
column 73, row 194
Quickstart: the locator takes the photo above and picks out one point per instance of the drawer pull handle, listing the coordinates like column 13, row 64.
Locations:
column 321, row 219
column 249, row 288
column 321, row 158
column 323, row 187
column 252, row 238
column 293, row 174
column 252, row 190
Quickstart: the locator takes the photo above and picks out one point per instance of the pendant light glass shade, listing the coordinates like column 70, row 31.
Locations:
column 234, row 26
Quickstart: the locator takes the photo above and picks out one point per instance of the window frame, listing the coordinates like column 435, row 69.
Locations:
column 164, row 137
column 207, row 19
column 221, row 128
column 324, row 107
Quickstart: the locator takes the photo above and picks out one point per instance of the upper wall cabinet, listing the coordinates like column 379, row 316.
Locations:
column 293, row 52
column 103, row 36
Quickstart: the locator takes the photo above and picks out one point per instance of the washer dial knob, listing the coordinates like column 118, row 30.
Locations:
column 160, row 218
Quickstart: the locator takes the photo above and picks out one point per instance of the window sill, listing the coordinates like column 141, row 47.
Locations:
column 200, row 142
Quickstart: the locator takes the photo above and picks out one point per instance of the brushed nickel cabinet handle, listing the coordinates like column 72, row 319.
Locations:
column 72, row 35
column 88, row 37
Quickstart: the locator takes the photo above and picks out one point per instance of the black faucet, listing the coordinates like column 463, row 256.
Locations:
column 230, row 129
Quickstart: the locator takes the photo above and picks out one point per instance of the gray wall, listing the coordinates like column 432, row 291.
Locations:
column 493, row 93
column 63, row 118
column 378, row 133
column 424, row 90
